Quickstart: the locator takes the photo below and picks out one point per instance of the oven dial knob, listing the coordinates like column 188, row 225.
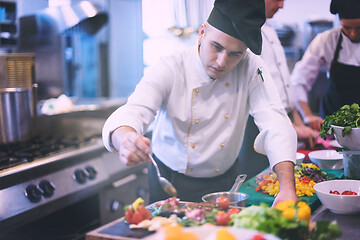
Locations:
column 33, row 193
column 80, row 176
column 91, row 172
column 47, row 187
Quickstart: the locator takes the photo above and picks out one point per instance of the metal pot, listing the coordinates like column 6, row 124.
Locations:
column 236, row 199
column 17, row 112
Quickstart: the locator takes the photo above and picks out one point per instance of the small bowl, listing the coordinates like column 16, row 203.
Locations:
column 351, row 141
column 299, row 158
column 328, row 159
column 339, row 204
column 236, row 199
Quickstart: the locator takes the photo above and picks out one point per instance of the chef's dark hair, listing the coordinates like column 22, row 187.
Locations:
column 241, row 19
column 347, row 9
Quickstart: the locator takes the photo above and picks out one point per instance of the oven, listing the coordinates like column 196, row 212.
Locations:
column 63, row 183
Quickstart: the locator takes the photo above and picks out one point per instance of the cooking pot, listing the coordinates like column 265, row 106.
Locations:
column 17, row 113
column 236, row 199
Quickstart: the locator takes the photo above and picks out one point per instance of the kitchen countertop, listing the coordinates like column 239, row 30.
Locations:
column 349, row 224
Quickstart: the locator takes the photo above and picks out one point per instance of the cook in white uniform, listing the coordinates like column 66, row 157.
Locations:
column 202, row 97
column 274, row 57
column 338, row 50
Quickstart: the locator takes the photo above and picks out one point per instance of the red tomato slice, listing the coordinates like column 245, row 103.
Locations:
column 136, row 218
column 258, row 237
column 233, row 211
column 348, row 193
column 334, row 192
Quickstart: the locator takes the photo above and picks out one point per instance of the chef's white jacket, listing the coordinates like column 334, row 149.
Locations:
column 200, row 122
column 320, row 53
column 274, row 56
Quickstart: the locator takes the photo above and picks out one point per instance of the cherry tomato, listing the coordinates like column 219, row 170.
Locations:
column 258, row 237
column 136, row 218
column 348, row 193
column 222, row 219
column 334, row 192
column 233, row 211
column 146, row 214
column 222, row 202
column 128, row 215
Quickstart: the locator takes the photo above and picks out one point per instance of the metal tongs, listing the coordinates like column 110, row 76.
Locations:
column 164, row 183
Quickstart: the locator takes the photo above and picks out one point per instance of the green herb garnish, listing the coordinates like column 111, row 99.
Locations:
column 347, row 116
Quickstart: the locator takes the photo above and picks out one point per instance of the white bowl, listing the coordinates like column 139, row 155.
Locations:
column 351, row 141
column 299, row 158
column 329, row 159
column 339, row 204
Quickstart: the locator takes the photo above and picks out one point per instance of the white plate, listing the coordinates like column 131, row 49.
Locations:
column 334, row 144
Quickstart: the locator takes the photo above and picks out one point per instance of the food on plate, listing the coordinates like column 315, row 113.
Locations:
column 137, row 212
column 347, row 192
column 288, row 220
column 306, row 176
column 347, row 116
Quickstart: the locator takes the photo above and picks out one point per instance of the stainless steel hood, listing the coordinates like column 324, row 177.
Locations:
column 36, row 28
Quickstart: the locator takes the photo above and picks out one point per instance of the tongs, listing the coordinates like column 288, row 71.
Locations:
column 164, row 183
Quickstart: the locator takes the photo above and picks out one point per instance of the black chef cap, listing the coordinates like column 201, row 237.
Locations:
column 241, row 19
column 348, row 9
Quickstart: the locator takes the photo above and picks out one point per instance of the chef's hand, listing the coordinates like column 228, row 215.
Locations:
column 285, row 173
column 313, row 121
column 132, row 147
column 306, row 134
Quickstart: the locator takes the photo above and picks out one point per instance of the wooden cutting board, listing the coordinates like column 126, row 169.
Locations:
column 255, row 198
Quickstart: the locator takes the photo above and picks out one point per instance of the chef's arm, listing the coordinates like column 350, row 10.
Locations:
column 285, row 173
column 309, row 118
column 132, row 147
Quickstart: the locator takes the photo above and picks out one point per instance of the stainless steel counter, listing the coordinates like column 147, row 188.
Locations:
column 349, row 224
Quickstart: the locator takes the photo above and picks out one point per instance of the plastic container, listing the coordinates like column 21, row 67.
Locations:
column 351, row 161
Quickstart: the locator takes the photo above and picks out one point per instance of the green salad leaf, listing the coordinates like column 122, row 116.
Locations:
column 347, row 116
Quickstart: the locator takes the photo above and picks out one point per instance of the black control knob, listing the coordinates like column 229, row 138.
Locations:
column 33, row 193
column 80, row 176
column 91, row 172
column 47, row 187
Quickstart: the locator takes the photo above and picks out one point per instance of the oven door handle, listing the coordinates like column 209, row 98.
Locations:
column 125, row 180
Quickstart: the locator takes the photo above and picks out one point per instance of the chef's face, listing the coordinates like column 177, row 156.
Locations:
column 272, row 6
column 351, row 28
column 219, row 52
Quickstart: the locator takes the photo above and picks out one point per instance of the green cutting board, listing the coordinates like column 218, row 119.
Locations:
column 255, row 198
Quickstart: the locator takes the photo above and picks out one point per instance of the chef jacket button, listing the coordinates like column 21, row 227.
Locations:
column 197, row 90
column 190, row 169
column 226, row 116
column 193, row 145
column 227, row 84
column 196, row 121
column 222, row 145
column 218, row 170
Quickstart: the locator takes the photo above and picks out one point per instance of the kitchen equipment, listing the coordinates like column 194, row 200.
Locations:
column 351, row 161
column 63, row 182
column 235, row 198
column 339, row 204
column 17, row 97
column 329, row 159
column 350, row 141
column 164, row 183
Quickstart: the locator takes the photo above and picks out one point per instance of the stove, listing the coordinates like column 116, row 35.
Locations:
column 42, row 171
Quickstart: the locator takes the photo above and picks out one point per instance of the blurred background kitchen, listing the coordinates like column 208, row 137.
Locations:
column 65, row 65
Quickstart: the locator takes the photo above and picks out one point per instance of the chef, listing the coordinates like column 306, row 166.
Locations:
column 201, row 99
column 338, row 50
column 274, row 57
